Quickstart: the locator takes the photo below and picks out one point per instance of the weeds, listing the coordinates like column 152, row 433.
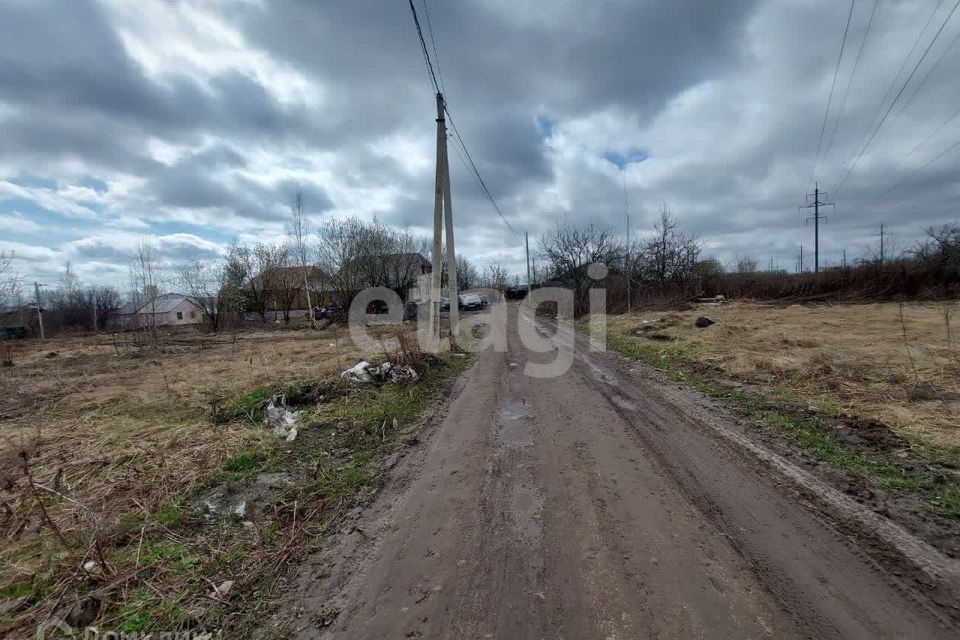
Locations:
column 947, row 313
column 157, row 559
column 244, row 461
column 906, row 345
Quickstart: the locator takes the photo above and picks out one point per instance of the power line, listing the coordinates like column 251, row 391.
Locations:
column 853, row 72
column 920, row 84
column 899, row 93
column 915, row 173
column 476, row 173
column 893, row 81
column 423, row 48
column 826, row 113
column 436, row 56
column 921, row 143
column 472, row 167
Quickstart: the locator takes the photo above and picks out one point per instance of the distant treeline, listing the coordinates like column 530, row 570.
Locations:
column 667, row 268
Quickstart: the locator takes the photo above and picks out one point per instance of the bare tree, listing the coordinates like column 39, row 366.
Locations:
column 403, row 255
column 106, row 299
column 467, row 275
column 202, row 281
column 145, row 281
column 495, row 277
column 670, row 255
column 339, row 252
column 297, row 231
column 353, row 255
column 75, row 305
column 571, row 249
column 745, row 264
column 942, row 245
column 261, row 264
column 10, row 280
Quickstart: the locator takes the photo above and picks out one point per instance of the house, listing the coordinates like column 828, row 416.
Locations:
column 287, row 298
column 287, row 295
column 167, row 310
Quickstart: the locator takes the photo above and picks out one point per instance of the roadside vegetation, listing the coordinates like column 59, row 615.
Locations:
column 872, row 390
column 142, row 491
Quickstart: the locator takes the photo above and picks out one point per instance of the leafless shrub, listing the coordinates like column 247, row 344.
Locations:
column 906, row 345
column 571, row 249
column 494, row 277
column 354, row 255
column 10, row 280
column 145, row 283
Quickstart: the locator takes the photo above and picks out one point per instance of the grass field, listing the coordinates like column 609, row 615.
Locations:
column 867, row 360
column 106, row 449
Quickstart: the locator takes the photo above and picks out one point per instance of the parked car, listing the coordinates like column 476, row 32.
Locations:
column 471, row 302
column 444, row 304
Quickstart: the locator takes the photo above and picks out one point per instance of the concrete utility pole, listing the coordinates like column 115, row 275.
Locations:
column 881, row 243
column 526, row 245
column 626, row 211
column 815, row 205
column 629, row 296
column 443, row 217
column 36, row 288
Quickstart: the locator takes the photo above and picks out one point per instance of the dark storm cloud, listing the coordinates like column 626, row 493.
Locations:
column 572, row 57
column 62, row 60
column 713, row 108
column 195, row 182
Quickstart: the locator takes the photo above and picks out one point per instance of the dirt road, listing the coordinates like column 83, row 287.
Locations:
column 597, row 505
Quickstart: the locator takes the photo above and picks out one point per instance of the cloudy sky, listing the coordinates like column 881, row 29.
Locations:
column 191, row 123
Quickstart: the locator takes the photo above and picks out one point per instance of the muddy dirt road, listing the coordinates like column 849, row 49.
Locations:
column 597, row 504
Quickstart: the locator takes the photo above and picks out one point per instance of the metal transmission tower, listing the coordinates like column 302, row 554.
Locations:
column 816, row 217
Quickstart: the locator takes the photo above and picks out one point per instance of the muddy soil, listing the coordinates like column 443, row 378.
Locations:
column 606, row 503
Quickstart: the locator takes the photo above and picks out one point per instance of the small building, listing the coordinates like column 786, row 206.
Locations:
column 167, row 310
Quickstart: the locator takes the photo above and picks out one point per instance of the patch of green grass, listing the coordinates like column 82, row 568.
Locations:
column 148, row 610
column 16, row 590
column 783, row 410
column 170, row 515
column 244, row 461
column 342, row 483
column 403, row 402
column 170, row 554
column 246, row 407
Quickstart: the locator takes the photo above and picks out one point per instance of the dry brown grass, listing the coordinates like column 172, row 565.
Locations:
column 97, row 437
column 859, row 359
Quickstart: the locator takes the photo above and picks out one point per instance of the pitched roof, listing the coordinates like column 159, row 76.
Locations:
column 127, row 309
column 163, row 303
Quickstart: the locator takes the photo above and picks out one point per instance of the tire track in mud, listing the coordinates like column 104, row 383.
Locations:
column 596, row 505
